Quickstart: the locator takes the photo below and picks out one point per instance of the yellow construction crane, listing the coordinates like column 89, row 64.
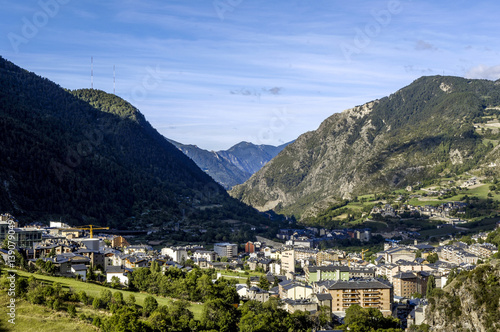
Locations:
column 363, row 253
column 91, row 229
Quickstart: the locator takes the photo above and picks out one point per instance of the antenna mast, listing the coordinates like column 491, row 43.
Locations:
column 92, row 72
column 114, row 81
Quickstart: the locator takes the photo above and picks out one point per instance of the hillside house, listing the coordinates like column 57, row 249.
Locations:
column 300, row 305
column 293, row 290
column 79, row 270
column 208, row 255
column 132, row 262
column 121, row 273
column 257, row 294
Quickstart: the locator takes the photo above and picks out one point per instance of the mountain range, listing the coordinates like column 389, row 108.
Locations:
column 437, row 126
column 233, row 166
column 89, row 157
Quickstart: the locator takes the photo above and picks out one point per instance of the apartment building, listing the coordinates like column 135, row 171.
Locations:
column 484, row 250
column 368, row 293
column 320, row 273
column 226, row 249
column 457, row 255
column 326, row 258
column 408, row 283
column 21, row 237
column 290, row 256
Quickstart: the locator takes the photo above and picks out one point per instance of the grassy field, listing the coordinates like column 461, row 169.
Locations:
column 482, row 192
column 369, row 197
column 340, row 217
column 37, row 318
column 417, row 202
column 94, row 291
column 492, row 141
column 241, row 276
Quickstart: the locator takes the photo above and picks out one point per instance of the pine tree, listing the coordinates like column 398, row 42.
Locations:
column 431, row 285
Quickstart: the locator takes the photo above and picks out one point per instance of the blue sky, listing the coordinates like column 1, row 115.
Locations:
column 217, row 72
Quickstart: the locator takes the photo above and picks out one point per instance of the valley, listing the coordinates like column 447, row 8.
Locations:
column 401, row 190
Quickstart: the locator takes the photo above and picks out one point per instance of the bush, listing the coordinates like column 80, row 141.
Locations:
column 150, row 305
column 82, row 296
column 56, row 305
column 118, row 298
column 96, row 303
column 105, row 297
column 72, row 310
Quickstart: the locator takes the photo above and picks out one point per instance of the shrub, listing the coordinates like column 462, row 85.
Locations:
column 72, row 310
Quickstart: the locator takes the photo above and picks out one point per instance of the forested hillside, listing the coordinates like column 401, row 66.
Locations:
column 86, row 156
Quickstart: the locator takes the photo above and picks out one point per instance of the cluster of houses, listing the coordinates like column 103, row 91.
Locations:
column 441, row 211
column 312, row 237
column 389, row 283
column 304, row 278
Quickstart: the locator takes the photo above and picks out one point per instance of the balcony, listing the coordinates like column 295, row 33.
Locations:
column 351, row 301
column 372, row 301
column 350, row 296
column 371, row 296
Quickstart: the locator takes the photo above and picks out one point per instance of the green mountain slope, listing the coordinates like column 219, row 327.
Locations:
column 414, row 134
column 90, row 157
column 233, row 166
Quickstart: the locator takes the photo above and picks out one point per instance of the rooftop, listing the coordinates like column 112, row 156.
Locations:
column 356, row 284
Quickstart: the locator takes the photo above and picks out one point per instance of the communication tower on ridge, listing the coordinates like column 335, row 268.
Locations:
column 92, row 72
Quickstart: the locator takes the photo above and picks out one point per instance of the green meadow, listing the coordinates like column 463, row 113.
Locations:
column 94, row 290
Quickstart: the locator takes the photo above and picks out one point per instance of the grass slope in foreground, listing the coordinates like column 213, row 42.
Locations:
column 32, row 317
column 94, row 291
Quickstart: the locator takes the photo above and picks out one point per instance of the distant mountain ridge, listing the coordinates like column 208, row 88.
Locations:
column 437, row 125
column 233, row 166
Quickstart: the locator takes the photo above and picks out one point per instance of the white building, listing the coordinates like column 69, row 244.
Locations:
column 226, row 249
column 58, row 224
column 242, row 290
column 79, row 269
column 118, row 271
column 295, row 291
column 275, row 268
column 210, row 256
column 176, row 253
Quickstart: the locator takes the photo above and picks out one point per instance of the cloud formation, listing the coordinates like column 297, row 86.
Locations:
column 484, row 72
column 422, row 45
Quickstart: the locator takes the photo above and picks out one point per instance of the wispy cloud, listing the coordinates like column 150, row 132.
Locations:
column 222, row 81
column 422, row 45
column 484, row 72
